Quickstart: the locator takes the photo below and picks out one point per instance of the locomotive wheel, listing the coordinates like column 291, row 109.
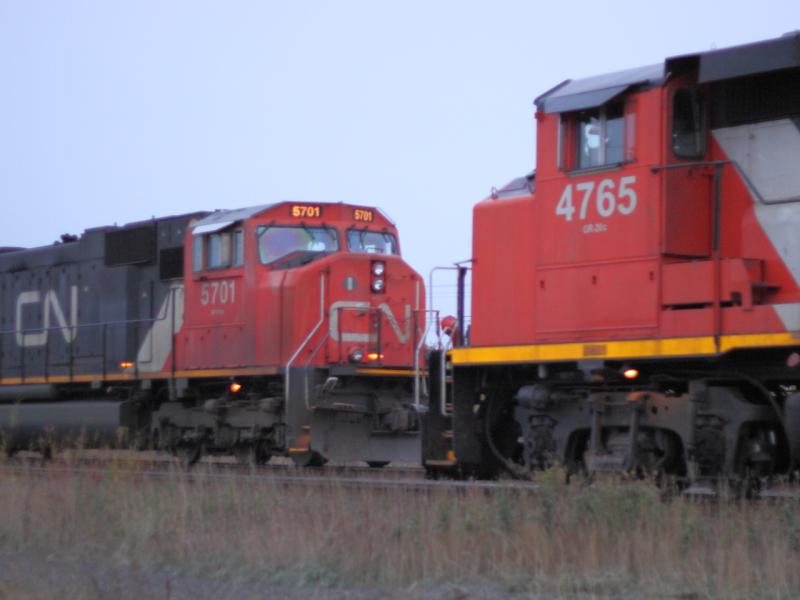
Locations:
column 252, row 455
column 377, row 464
column 47, row 452
column 312, row 458
column 9, row 452
column 189, row 453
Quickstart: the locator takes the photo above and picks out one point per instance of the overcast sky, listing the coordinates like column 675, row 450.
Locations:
column 114, row 111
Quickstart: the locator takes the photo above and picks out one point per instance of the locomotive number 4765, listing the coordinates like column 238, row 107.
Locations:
column 606, row 201
column 218, row 292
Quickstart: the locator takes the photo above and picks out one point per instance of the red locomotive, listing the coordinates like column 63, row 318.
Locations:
column 636, row 299
column 292, row 328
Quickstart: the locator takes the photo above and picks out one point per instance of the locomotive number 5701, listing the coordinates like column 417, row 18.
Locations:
column 218, row 292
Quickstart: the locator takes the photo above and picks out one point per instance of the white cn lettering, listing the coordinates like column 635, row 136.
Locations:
column 344, row 306
column 51, row 307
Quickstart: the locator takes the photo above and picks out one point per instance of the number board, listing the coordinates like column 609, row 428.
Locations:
column 308, row 211
column 363, row 215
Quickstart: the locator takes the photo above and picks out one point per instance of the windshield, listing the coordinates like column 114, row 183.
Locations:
column 278, row 242
column 372, row 242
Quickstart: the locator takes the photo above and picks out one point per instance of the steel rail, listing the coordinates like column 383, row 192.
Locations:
column 303, row 480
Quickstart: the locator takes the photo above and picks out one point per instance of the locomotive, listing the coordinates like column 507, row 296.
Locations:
column 635, row 301
column 288, row 329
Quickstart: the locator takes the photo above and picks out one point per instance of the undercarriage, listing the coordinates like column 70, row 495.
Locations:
column 322, row 417
column 312, row 415
column 707, row 428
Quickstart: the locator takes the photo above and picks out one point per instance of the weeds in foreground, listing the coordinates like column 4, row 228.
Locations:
column 566, row 540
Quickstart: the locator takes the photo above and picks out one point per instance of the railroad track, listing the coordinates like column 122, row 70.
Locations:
column 399, row 478
column 159, row 461
column 286, row 474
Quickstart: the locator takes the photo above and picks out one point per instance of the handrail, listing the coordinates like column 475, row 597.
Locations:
column 418, row 349
column 430, row 281
column 82, row 325
column 97, row 323
column 164, row 315
column 461, row 269
column 443, row 383
column 287, row 379
column 362, row 308
column 311, row 357
column 721, row 163
column 716, row 233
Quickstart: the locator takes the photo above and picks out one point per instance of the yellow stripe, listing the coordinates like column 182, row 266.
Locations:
column 624, row 349
column 225, row 372
column 618, row 349
column 67, row 379
column 389, row 372
column 189, row 374
column 442, row 463
column 757, row 340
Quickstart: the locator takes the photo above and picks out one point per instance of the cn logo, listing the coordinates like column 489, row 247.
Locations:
column 51, row 306
column 336, row 335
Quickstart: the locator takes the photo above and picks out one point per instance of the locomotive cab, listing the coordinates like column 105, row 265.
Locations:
column 310, row 311
column 636, row 302
column 261, row 282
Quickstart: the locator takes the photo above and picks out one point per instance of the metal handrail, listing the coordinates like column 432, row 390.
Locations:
column 737, row 167
column 443, row 383
column 307, row 339
column 461, row 269
column 430, row 280
column 82, row 325
column 105, row 325
column 368, row 310
column 418, row 349
column 311, row 357
column 96, row 324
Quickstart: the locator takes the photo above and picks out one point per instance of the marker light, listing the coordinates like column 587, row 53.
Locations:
column 236, row 387
column 126, row 364
column 378, row 268
column 630, row 373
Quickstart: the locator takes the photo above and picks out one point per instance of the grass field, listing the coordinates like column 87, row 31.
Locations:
column 565, row 541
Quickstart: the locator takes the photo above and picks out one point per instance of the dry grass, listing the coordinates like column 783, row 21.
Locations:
column 566, row 540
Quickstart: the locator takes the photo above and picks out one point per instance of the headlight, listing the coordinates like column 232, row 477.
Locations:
column 378, row 285
column 356, row 355
column 378, row 268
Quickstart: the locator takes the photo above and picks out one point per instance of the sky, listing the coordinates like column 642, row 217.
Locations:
column 117, row 111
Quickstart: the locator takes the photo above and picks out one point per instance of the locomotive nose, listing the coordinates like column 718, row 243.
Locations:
column 375, row 311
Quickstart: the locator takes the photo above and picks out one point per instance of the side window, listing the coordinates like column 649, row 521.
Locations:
column 600, row 136
column 238, row 248
column 688, row 124
column 219, row 250
column 197, row 252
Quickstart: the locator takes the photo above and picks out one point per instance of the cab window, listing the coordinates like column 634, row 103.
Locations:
column 218, row 250
column 238, row 248
column 197, row 253
column 371, row 242
column 276, row 242
column 600, row 136
column 688, row 124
